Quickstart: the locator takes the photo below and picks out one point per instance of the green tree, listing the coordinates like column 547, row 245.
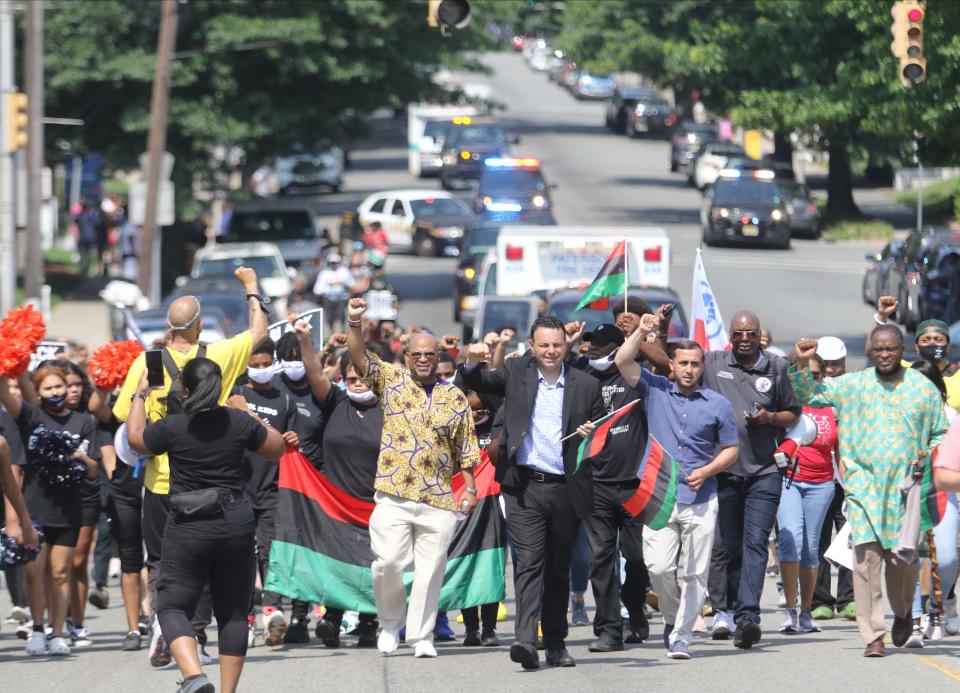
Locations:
column 261, row 75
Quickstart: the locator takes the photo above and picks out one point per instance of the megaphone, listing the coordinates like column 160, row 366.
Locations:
column 801, row 433
column 125, row 453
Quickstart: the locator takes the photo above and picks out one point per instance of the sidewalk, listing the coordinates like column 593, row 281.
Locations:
column 86, row 322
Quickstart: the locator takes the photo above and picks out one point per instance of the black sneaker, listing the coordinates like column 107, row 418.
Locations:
column 99, row 597
column 489, row 638
column 472, row 639
column 328, row 633
column 367, row 634
column 746, row 635
column 297, row 634
column 132, row 641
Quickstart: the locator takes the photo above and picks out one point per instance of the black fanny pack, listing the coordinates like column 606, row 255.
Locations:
column 194, row 505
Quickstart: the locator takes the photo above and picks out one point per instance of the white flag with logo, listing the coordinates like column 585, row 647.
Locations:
column 706, row 323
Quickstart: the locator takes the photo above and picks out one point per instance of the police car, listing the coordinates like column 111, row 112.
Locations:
column 511, row 188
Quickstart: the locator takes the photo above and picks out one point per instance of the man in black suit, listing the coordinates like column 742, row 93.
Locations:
column 545, row 493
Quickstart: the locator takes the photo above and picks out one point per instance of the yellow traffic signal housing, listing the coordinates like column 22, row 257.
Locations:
column 448, row 14
column 907, row 46
column 15, row 114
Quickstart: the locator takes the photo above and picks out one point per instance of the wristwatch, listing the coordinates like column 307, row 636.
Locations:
column 264, row 300
column 471, row 491
column 138, row 395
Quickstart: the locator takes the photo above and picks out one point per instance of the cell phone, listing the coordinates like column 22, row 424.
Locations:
column 154, row 359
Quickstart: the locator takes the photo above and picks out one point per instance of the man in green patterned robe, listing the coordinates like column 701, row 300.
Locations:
column 890, row 415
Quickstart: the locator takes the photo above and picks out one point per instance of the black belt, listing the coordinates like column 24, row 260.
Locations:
column 540, row 477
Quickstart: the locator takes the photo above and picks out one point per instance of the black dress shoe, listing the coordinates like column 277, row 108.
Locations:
column 746, row 635
column 638, row 630
column 490, row 639
column 367, row 634
column 559, row 657
column 472, row 639
column 525, row 654
column 328, row 633
column 606, row 644
column 901, row 631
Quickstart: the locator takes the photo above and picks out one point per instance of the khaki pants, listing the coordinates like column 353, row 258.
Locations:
column 403, row 532
column 686, row 542
column 901, row 579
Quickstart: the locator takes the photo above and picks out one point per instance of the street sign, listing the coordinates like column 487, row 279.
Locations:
column 165, row 204
column 166, row 164
column 46, row 351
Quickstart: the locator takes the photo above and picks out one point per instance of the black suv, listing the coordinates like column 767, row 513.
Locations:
column 622, row 104
column 466, row 149
column 687, row 140
column 512, row 188
column 745, row 210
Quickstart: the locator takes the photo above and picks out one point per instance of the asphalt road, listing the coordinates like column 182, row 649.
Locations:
column 602, row 179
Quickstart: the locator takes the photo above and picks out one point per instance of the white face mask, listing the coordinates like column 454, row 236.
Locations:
column 362, row 397
column 295, row 370
column 603, row 363
column 260, row 376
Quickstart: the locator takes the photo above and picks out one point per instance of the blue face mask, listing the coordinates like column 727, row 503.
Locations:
column 56, row 402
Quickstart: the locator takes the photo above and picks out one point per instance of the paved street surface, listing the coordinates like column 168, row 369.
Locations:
column 602, row 179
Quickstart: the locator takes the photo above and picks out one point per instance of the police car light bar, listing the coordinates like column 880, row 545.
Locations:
column 498, row 162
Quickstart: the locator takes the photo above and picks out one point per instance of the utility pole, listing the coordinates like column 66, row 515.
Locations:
column 919, row 143
column 33, row 277
column 8, row 232
column 156, row 142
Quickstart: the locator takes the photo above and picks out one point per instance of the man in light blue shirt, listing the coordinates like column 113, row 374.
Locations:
column 541, row 448
column 696, row 428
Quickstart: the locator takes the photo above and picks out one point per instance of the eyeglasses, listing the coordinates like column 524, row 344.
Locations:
column 745, row 334
column 417, row 355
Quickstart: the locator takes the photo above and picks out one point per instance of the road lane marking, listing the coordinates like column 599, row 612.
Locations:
column 942, row 668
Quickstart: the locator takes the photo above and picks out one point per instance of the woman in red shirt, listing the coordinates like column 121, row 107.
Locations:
column 807, row 493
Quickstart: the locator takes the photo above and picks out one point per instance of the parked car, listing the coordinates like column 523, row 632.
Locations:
column 221, row 260
column 563, row 302
column 152, row 324
column 687, row 139
column 711, row 159
column 322, row 167
column 745, row 211
column 651, row 116
column 920, row 275
column 875, row 274
column 622, row 103
column 802, row 209
column 592, row 87
column 219, row 293
column 295, row 229
column 428, row 222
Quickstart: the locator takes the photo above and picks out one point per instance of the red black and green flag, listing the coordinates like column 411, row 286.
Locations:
column 610, row 281
column 934, row 502
column 656, row 497
column 321, row 550
column 596, row 443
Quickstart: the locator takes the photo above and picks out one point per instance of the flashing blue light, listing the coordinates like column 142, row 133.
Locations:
column 504, row 207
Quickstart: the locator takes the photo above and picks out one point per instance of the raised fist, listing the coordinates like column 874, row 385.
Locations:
column 248, row 277
column 449, row 341
column 336, row 341
column 507, row 334
column 887, row 306
column 356, row 307
column 649, row 323
column 804, row 350
column 477, row 354
column 574, row 330
column 491, row 339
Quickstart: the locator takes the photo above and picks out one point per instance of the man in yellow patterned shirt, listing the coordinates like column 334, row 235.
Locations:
column 428, row 435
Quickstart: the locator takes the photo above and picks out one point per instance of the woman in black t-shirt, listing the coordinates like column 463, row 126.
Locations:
column 209, row 535
column 57, row 509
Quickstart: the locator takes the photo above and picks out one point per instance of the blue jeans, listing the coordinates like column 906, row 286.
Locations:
column 580, row 563
column 748, row 509
column 945, row 539
column 803, row 508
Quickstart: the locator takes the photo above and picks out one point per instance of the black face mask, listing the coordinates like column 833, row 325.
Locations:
column 933, row 352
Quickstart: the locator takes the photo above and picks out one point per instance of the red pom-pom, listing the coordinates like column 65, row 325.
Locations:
column 109, row 364
column 20, row 332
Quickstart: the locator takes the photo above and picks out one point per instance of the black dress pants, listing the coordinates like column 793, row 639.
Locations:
column 607, row 523
column 543, row 527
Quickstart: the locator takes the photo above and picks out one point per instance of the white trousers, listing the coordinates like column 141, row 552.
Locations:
column 678, row 560
column 404, row 532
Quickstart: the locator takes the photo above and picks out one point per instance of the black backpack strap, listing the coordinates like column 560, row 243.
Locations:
column 170, row 365
column 202, row 351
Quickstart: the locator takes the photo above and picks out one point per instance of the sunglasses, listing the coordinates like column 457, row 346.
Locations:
column 744, row 334
column 417, row 355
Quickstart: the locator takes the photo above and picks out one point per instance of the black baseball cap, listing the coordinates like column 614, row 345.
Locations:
column 605, row 334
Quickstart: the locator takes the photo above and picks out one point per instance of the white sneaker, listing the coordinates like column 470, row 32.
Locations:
column 388, row 641
column 58, row 646
column 790, row 622
column 37, row 644
column 916, row 638
column 251, row 635
column 723, row 625
column 114, row 569
column 80, row 637
column 424, row 648
column 781, row 597
column 19, row 614
column 24, row 630
column 951, row 621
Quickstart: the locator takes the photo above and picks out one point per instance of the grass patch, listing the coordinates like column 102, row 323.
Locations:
column 57, row 256
column 938, row 199
column 858, row 230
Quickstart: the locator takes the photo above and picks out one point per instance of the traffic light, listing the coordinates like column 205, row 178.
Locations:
column 448, row 14
column 15, row 115
column 907, row 46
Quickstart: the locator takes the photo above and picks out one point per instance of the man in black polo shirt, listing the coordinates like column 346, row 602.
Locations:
column 763, row 404
column 614, row 482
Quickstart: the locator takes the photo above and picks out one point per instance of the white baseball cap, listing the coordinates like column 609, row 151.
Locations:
column 831, row 348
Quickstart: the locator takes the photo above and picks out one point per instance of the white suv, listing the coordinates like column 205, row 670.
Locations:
column 222, row 259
